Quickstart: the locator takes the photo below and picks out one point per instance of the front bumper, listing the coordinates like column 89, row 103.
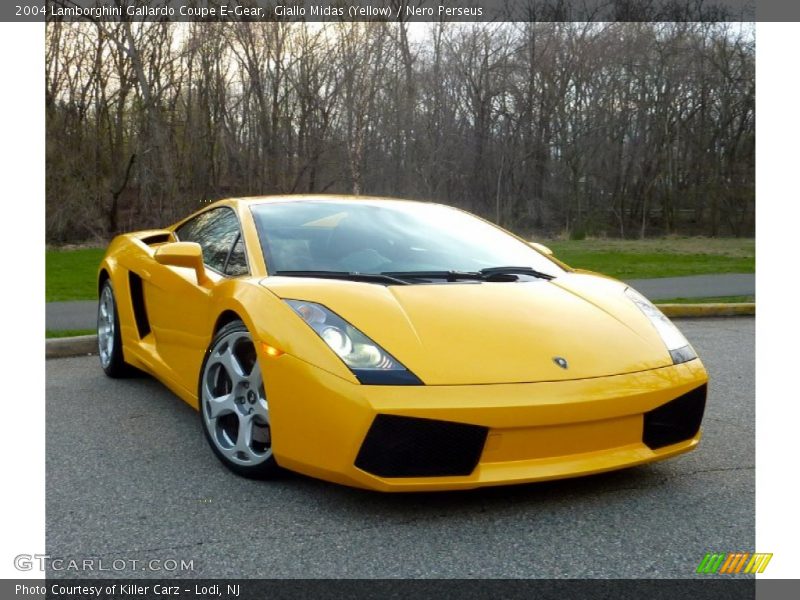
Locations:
column 532, row 431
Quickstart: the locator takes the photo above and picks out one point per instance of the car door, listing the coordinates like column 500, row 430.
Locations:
column 179, row 308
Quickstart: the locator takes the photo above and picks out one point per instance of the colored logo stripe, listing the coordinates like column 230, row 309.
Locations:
column 711, row 563
column 758, row 563
column 734, row 562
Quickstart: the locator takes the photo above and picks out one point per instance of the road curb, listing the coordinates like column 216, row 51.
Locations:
column 70, row 346
column 737, row 309
column 87, row 344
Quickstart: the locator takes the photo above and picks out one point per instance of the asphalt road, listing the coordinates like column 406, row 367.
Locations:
column 83, row 314
column 697, row 286
column 129, row 477
column 78, row 314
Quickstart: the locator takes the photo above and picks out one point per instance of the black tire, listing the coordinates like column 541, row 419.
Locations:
column 256, row 461
column 112, row 357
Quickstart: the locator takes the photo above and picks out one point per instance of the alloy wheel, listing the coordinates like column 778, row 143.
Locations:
column 106, row 326
column 234, row 403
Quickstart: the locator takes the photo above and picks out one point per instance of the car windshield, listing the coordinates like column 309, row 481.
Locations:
column 374, row 237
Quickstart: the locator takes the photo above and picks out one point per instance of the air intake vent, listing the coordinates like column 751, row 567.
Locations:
column 409, row 447
column 156, row 238
column 137, row 300
column 676, row 421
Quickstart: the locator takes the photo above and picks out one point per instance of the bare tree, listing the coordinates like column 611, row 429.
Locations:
column 626, row 129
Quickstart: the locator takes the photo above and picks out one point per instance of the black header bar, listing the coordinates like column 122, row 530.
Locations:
column 401, row 10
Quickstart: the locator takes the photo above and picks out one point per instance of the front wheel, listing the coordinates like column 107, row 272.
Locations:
column 233, row 404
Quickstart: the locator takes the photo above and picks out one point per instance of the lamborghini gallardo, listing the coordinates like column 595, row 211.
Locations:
column 395, row 345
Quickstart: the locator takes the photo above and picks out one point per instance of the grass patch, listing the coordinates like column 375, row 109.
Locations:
column 708, row 300
column 669, row 257
column 62, row 333
column 71, row 274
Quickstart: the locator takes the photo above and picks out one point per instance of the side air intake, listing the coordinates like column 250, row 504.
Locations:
column 137, row 300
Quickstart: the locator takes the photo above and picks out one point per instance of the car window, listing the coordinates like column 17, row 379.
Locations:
column 237, row 261
column 216, row 231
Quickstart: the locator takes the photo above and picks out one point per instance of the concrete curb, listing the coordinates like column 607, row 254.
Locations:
column 70, row 346
column 738, row 309
column 87, row 344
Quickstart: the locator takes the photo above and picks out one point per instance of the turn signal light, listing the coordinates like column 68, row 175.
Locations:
column 271, row 350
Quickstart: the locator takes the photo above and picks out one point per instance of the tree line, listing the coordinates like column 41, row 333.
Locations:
column 618, row 129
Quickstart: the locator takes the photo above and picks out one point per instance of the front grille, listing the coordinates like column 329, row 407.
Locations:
column 410, row 447
column 676, row 421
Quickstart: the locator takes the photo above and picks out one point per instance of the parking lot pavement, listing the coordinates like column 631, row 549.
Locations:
column 130, row 477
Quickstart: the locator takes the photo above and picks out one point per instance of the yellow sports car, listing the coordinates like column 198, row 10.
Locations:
column 395, row 345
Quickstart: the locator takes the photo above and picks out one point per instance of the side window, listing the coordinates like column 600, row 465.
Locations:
column 216, row 231
column 237, row 261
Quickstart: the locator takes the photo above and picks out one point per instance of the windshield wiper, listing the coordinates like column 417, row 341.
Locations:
column 511, row 270
column 348, row 275
column 446, row 275
column 489, row 274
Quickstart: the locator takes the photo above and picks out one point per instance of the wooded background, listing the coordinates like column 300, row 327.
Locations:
column 617, row 129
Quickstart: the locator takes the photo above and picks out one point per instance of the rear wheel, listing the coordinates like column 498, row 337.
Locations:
column 109, row 337
column 233, row 404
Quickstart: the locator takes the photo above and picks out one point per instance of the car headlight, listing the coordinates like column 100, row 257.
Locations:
column 370, row 363
column 679, row 348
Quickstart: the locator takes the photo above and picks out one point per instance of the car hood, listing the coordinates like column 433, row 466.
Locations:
column 489, row 333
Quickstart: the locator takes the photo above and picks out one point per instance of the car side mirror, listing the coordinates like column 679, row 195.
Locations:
column 541, row 248
column 184, row 254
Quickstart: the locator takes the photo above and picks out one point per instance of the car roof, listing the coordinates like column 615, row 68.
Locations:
column 254, row 200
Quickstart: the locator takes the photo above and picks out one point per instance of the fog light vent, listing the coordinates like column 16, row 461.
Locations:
column 398, row 446
column 676, row 421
